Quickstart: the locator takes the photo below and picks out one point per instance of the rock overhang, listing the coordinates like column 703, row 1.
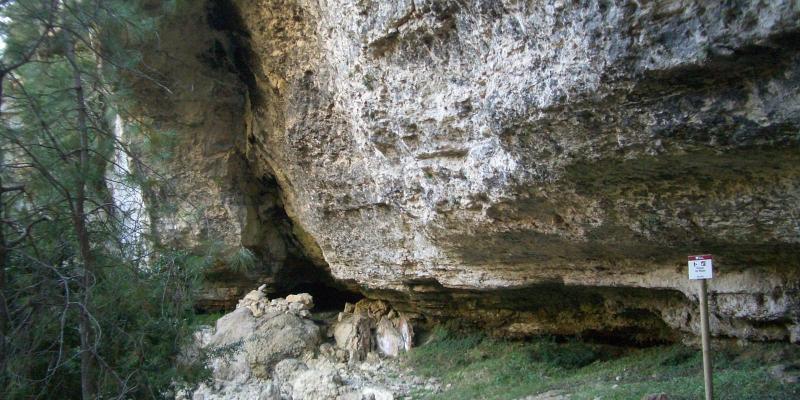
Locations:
column 492, row 146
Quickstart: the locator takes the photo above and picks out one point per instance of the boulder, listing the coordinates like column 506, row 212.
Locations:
column 232, row 330
column 304, row 300
column 353, row 334
column 372, row 324
column 377, row 393
column 261, row 391
column 333, row 353
column 319, row 383
column 283, row 336
column 256, row 301
column 284, row 374
column 393, row 336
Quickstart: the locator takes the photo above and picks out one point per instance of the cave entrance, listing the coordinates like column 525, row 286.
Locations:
column 328, row 293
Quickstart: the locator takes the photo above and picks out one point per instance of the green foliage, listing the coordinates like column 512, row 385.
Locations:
column 241, row 260
column 138, row 294
column 571, row 355
column 479, row 367
column 209, row 319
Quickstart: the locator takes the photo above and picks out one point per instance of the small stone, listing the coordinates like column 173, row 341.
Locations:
column 296, row 307
column 789, row 374
column 656, row 396
column 349, row 308
column 304, row 299
column 256, row 311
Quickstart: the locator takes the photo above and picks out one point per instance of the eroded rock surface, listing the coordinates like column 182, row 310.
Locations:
column 535, row 167
column 269, row 350
column 371, row 325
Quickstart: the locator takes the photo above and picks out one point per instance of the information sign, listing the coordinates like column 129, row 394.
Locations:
column 700, row 267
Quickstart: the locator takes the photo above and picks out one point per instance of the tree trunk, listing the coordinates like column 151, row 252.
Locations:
column 88, row 389
column 4, row 315
column 3, row 305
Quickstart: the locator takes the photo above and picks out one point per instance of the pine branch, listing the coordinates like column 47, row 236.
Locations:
column 26, row 233
column 12, row 188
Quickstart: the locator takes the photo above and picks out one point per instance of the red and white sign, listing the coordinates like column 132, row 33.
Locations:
column 700, row 267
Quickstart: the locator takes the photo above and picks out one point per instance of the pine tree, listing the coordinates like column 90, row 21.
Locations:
column 81, row 315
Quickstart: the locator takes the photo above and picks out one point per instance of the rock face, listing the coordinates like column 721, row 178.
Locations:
column 213, row 200
column 536, row 167
column 372, row 325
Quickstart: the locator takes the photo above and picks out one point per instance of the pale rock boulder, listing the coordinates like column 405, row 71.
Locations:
column 251, row 341
column 283, row 336
column 333, row 353
column 256, row 301
column 231, row 331
column 304, row 300
column 352, row 334
column 277, row 355
column 284, row 374
column 376, row 393
column 322, row 383
column 372, row 325
column 394, row 336
column 794, row 333
column 369, row 393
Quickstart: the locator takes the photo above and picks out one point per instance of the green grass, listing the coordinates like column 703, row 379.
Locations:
column 209, row 319
column 478, row 367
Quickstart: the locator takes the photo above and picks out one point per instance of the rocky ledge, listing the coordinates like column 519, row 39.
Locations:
column 532, row 167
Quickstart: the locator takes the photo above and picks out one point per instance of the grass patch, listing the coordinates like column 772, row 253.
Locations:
column 209, row 319
column 479, row 367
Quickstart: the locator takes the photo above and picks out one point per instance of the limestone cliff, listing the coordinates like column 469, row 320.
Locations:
column 533, row 166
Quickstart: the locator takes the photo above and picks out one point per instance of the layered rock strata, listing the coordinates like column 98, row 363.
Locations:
column 535, row 167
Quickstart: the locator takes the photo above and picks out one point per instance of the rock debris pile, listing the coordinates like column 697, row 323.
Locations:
column 272, row 349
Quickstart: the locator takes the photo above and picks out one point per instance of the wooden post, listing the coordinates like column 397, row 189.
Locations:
column 704, row 331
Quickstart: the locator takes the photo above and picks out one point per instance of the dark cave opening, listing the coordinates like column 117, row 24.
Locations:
column 327, row 296
column 303, row 276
